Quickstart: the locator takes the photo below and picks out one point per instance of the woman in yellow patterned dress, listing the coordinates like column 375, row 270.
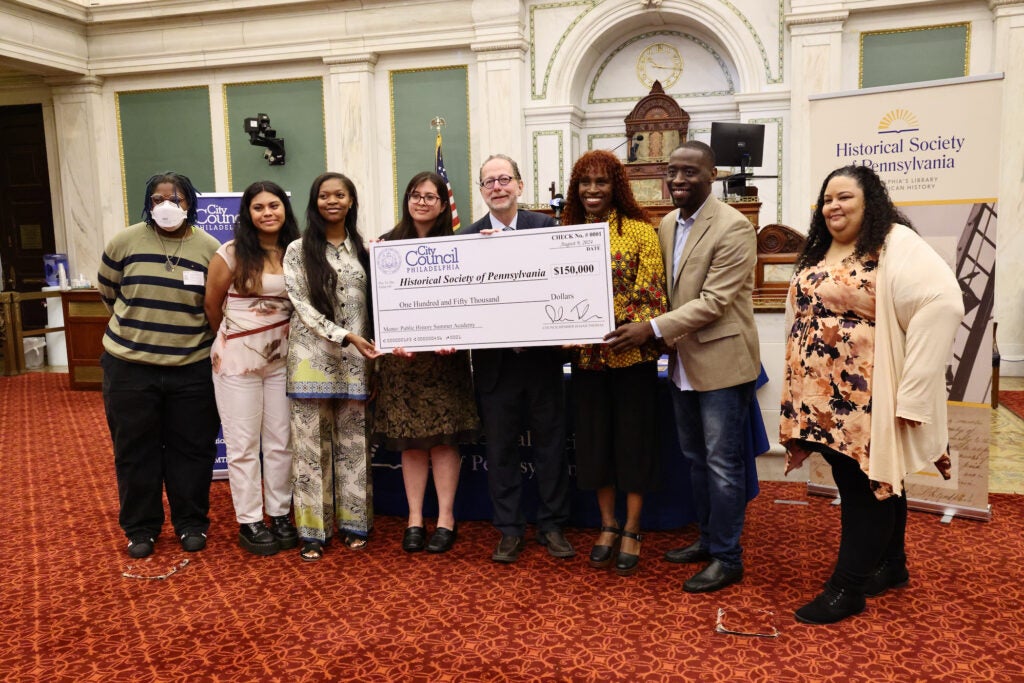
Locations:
column 616, row 393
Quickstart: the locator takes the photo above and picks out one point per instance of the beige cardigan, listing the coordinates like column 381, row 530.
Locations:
column 918, row 307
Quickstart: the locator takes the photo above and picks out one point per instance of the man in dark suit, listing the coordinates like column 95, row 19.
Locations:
column 521, row 388
column 709, row 250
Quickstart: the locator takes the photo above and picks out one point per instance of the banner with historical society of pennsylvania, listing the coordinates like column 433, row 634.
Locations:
column 936, row 147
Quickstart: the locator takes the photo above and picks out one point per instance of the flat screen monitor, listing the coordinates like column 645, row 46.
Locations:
column 738, row 144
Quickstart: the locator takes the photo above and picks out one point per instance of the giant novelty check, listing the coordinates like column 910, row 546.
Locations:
column 539, row 287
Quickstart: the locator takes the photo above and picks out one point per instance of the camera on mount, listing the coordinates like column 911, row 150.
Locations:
column 262, row 135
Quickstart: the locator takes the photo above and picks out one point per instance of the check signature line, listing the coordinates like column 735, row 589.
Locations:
column 579, row 312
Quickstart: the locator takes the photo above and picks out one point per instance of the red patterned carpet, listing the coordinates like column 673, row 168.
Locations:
column 68, row 614
column 1013, row 401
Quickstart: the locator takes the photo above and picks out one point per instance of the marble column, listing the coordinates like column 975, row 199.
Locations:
column 354, row 144
column 555, row 143
column 816, row 67
column 1008, row 57
column 85, row 155
column 497, row 122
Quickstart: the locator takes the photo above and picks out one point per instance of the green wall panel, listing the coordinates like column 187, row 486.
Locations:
column 296, row 111
column 912, row 55
column 416, row 98
column 164, row 130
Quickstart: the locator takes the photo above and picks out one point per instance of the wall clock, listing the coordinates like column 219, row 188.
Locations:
column 659, row 62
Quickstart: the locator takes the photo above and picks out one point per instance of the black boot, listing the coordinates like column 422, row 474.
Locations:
column 887, row 575
column 285, row 532
column 257, row 539
column 834, row 604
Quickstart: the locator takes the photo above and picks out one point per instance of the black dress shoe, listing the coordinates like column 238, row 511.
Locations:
column 602, row 555
column 628, row 563
column 442, row 540
column 687, row 555
column 888, row 575
column 713, row 577
column 834, row 604
column 557, row 544
column 284, row 531
column 257, row 539
column 414, row 539
column 508, row 549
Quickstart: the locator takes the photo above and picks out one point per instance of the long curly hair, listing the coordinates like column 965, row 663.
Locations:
column 321, row 279
column 249, row 253
column 601, row 162
column 185, row 190
column 879, row 215
column 405, row 228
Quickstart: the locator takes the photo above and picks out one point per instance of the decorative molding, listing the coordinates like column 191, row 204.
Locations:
column 913, row 29
column 120, row 138
column 778, row 121
column 597, row 136
column 81, row 83
column 365, row 58
column 652, row 34
column 561, row 159
column 760, row 45
column 589, row 4
column 792, row 20
column 540, row 94
column 394, row 157
column 518, row 46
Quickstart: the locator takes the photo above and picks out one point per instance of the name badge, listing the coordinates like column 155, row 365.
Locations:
column 194, row 277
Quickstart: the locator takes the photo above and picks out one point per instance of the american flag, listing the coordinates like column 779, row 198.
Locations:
column 444, row 174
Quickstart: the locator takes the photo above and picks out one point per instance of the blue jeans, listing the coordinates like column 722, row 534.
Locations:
column 712, row 427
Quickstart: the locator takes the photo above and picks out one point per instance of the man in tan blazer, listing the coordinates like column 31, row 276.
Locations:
column 709, row 250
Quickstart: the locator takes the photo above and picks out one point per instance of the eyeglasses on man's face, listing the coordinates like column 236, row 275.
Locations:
column 502, row 180
column 428, row 199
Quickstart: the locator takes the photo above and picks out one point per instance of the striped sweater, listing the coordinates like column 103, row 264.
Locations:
column 158, row 315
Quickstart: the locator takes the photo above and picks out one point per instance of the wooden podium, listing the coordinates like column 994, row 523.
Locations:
column 654, row 128
column 85, row 322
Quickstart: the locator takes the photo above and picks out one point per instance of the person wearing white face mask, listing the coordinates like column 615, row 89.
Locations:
column 157, row 380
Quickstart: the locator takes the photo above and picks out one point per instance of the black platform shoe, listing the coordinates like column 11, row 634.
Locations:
column 601, row 556
column 628, row 563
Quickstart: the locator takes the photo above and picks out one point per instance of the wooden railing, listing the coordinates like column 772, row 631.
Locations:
column 11, row 331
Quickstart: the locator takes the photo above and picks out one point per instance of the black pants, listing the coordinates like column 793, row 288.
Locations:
column 526, row 395
column 163, row 422
column 873, row 530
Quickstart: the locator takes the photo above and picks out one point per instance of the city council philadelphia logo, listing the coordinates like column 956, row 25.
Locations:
column 388, row 260
column 898, row 121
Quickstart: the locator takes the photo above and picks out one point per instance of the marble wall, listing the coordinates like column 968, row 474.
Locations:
column 547, row 81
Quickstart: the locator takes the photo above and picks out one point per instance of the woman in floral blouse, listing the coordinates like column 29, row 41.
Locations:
column 615, row 394
column 327, row 274
column 871, row 315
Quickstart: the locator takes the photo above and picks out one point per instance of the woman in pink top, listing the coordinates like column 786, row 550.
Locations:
column 248, row 306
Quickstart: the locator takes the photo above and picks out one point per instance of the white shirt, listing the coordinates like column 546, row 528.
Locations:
column 498, row 225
